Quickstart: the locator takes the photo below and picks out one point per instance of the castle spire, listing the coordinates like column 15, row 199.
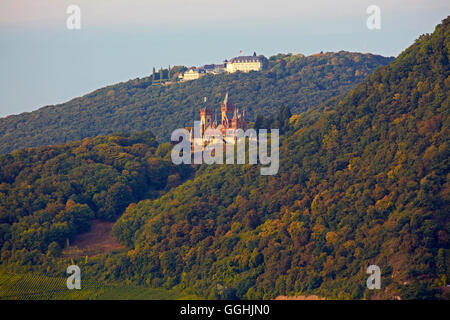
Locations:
column 225, row 101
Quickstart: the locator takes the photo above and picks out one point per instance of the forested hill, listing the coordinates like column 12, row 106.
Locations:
column 51, row 194
column 362, row 181
column 137, row 105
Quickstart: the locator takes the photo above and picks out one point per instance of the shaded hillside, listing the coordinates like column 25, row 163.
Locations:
column 51, row 194
column 362, row 181
column 137, row 105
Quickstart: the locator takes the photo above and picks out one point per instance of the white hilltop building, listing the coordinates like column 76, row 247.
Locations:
column 192, row 74
column 241, row 63
column 244, row 64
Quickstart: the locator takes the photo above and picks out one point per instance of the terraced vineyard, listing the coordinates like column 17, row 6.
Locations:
column 38, row 287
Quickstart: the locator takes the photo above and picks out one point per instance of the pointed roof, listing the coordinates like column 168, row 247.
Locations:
column 245, row 59
column 225, row 101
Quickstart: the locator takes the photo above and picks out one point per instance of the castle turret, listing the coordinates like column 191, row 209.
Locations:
column 205, row 118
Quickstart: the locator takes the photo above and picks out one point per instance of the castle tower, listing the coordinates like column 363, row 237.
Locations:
column 227, row 112
column 205, row 118
column 235, row 120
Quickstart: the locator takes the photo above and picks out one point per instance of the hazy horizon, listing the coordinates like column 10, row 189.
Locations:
column 43, row 63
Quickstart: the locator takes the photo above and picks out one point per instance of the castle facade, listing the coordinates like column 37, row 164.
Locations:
column 231, row 120
column 244, row 64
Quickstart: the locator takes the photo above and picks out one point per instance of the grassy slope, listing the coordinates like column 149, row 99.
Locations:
column 28, row 286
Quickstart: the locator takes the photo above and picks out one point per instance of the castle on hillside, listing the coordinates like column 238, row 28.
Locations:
column 231, row 120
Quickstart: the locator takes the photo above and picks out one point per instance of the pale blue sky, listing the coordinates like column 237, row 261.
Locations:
column 43, row 63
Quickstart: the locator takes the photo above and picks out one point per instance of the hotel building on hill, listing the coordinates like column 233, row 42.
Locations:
column 242, row 63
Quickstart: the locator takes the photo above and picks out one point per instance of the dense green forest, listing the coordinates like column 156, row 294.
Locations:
column 363, row 180
column 51, row 194
column 146, row 105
